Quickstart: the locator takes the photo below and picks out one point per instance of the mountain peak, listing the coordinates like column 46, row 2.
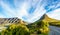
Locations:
column 48, row 19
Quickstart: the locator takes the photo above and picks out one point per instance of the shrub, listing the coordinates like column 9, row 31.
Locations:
column 16, row 30
column 43, row 27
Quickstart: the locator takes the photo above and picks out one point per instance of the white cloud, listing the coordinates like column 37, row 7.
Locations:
column 22, row 11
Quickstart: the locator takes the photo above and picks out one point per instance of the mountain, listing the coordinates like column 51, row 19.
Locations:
column 48, row 19
column 11, row 20
column 51, row 21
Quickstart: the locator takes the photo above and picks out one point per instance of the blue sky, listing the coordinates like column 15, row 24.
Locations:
column 30, row 10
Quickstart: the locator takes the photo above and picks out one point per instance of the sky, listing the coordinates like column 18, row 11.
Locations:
column 30, row 10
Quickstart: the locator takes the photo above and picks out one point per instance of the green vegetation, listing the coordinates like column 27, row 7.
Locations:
column 39, row 27
column 55, row 24
column 36, row 28
column 16, row 30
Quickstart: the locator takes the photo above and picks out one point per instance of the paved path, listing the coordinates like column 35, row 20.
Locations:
column 54, row 30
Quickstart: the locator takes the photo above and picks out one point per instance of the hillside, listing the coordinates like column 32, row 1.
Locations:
column 8, row 21
column 48, row 19
column 51, row 21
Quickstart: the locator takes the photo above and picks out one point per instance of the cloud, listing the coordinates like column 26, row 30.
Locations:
column 22, row 10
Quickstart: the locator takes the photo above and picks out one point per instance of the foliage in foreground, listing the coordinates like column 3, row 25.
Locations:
column 16, row 30
column 37, row 28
